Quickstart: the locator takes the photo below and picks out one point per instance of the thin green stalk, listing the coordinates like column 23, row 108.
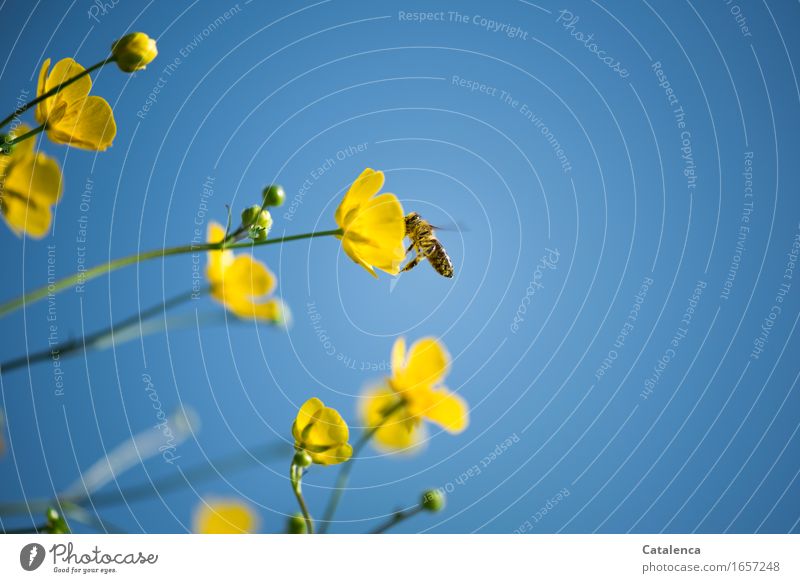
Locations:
column 81, row 277
column 347, row 468
column 397, row 518
column 296, row 476
column 25, row 136
column 22, row 109
column 79, row 345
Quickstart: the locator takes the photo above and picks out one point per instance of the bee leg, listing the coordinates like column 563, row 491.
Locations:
column 410, row 247
column 413, row 263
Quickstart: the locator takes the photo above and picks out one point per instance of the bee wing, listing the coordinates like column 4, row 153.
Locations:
column 450, row 226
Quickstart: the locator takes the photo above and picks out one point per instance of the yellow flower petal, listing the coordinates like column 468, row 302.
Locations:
column 373, row 226
column 64, row 70
column 31, row 183
column 274, row 310
column 218, row 261
column 427, row 364
column 367, row 185
column 446, row 409
column 335, row 455
column 43, row 109
column 71, row 116
column 322, row 433
column 352, row 251
column 88, row 125
column 304, row 416
column 399, row 356
column 247, row 277
column 26, row 216
column 400, row 431
column 377, row 232
column 242, row 283
column 38, row 176
column 271, row 310
column 326, row 429
column 225, row 516
column 416, row 383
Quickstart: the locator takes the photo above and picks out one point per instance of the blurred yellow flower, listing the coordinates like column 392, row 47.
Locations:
column 30, row 183
column 413, row 393
column 72, row 116
column 241, row 283
column 224, row 516
column 134, row 51
column 322, row 433
column 374, row 226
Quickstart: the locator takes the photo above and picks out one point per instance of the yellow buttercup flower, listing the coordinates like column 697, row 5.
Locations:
column 134, row 51
column 412, row 394
column 242, row 283
column 224, row 516
column 30, row 183
column 322, row 433
column 374, row 226
column 72, row 116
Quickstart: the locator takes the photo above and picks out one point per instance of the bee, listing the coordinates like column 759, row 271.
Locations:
column 426, row 246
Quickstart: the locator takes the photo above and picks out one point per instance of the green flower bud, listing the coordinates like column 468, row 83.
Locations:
column 134, row 51
column 302, row 459
column 432, row 500
column 260, row 228
column 264, row 220
column 257, row 222
column 55, row 523
column 250, row 215
column 296, row 524
column 274, row 195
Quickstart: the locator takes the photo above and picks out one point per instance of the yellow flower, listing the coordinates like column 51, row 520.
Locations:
column 134, row 51
column 224, row 516
column 72, row 116
column 374, row 226
column 322, row 433
column 241, row 283
column 412, row 394
column 30, row 183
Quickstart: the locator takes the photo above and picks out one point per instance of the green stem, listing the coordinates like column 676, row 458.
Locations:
column 397, row 518
column 6, row 145
column 88, row 342
column 296, row 476
column 98, row 270
column 347, row 467
column 22, row 109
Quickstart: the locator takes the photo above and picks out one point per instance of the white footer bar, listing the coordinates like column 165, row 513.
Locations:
column 402, row 559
